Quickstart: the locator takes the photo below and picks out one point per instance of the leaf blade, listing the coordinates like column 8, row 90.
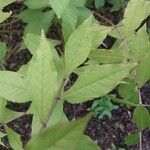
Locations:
column 40, row 88
column 65, row 136
column 12, row 90
column 78, row 46
column 141, row 117
column 59, row 6
column 96, row 81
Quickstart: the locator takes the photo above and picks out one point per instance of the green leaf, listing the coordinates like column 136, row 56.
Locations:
column 96, row 81
column 4, row 16
column 32, row 42
column 14, row 139
column 129, row 91
column 33, row 4
column 73, row 16
column 143, row 71
column 61, row 137
column 132, row 21
column 141, row 118
column 78, row 46
column 66, row 30
column 117, row 4
column 59, row 6
column 4, row 3
column 140, row 51
column 3, row 49
column 36, row 124
column 83, row 14
column 13, row 86
column 139, row 45
column 99, row 34
column 57, row 115
column 32, row 17
column 77, row 17
column 99, row 3
column 106, row 57
column 120, row 101
column 2, row 134
column 78, row 3
column 42, row 79
column 7, row 115
column 132, row 139
column 147, row 6
column 69, row 16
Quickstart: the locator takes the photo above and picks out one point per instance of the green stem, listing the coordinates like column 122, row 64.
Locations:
column 57, row 99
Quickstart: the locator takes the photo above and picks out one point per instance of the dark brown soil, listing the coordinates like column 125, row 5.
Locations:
column 145, row 94
column 105, row 132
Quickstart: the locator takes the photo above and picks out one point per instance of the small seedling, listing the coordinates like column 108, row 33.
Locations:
column 103, row 107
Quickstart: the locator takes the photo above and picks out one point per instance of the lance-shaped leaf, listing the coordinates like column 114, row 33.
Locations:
column 147, row 6
column 96, row 81
column 33, row 4
column 4, row 16
column 106, row 57
column 99, row 34
column 3, row 50
column 14, row 139
column 1, row 136
column 32, row 17
column 128, row 91
column 78, row 3
column 4, row 3
column 70, row 16
column 139, row 45
column 7, row 115
column 59, row 6
column 32, row 42
column 62, row 137
column 132, row 21
column 78, row 46
column 13, row 86
column 58, row 115
column 141, row 118
column 42, row 77
column 36, row 123
column 143, row 71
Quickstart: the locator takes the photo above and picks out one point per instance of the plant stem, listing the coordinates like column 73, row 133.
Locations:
column 52, row 108
column 44, row 125
column 140, row 133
